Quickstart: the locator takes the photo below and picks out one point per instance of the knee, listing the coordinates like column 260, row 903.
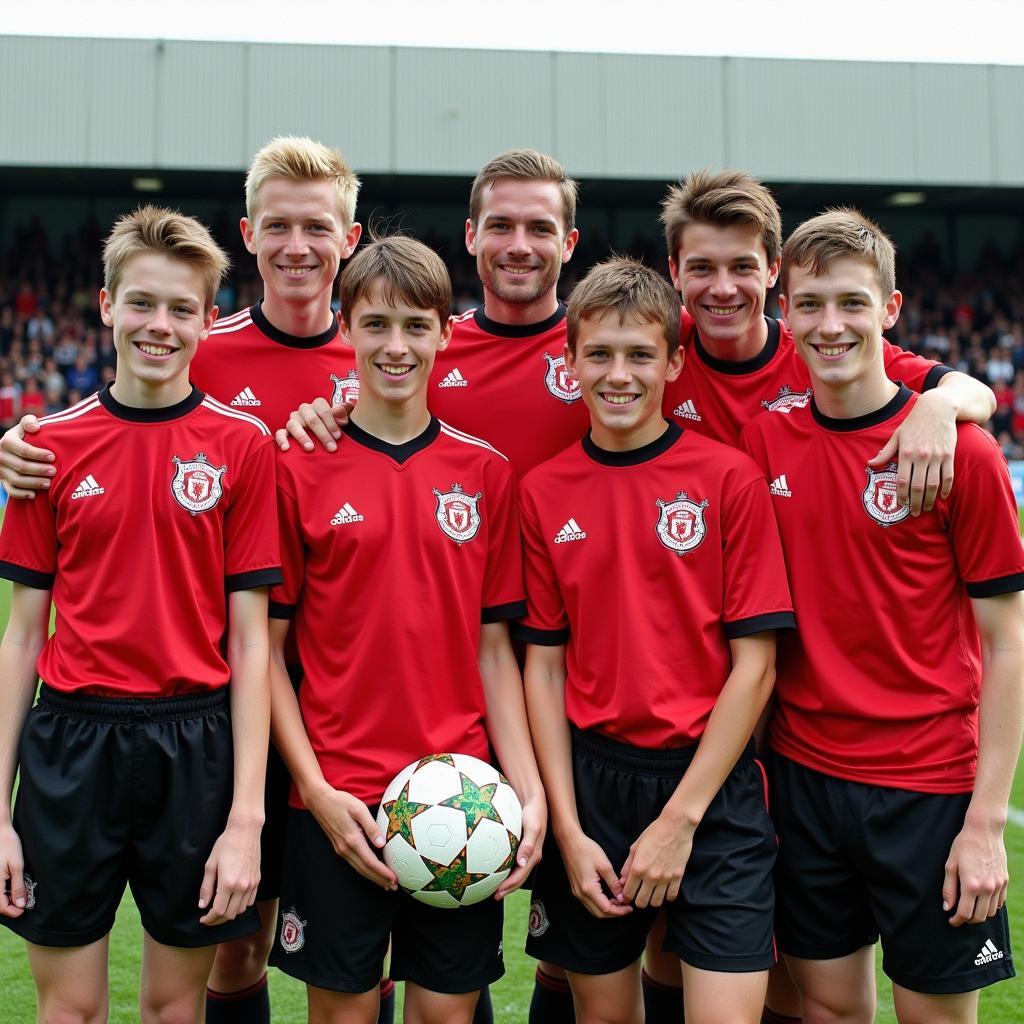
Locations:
column 242, row 961
column 838, row 1008
column 72, row 1011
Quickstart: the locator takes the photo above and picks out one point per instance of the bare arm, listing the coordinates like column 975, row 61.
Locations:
column 24, row 468
column 585, row 861
column 23, row 640
column 322, row 420
column 977, row 876
column 509, row 734
column 233, row 868
column 346, row 820
column 657, row 861
column 925, row 441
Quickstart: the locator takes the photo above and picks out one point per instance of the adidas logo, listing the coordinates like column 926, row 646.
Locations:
column 245, row 397
column 989, row 952
column 686, row 411
column 780, row 487
column 571, row 531
column 454, row 379
column 346, row 514
column 87, row 488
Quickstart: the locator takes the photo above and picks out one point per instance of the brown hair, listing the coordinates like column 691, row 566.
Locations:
column 297, row 158
column 525, row 165
column 838, row 232
column 152, row 229
column 629, row 288
column 721, row 199
column 405, row 269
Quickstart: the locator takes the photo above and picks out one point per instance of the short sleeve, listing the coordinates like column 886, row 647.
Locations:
column 252, row 554
column 284, row 598
column 919, row 374
column 28, row 542
column 503, row 594
column 545, row 623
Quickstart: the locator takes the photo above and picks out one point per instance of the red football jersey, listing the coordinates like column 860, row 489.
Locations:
column 249, row 364
column 716, row 397
column 509, row 385
column 646, row 563
column 880, row 684
column 153, row 514
column 393, row 556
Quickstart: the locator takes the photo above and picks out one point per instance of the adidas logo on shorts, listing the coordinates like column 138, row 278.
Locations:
column 346, row 514
column 245, row 397
column 571, row 531
column 87, row 488
column 989, row 952
column 454, row 379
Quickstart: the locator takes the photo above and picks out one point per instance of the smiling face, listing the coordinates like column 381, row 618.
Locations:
column 520, row 243
column 622, row 367
column 723, row 275
column 837, row 319
column 298, row 235
column 158, row 317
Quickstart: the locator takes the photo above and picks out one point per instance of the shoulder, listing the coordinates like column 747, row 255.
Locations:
column 475, row 446
column 230, row 419
column 974, row 445
column 228, row 325
column 733, row 467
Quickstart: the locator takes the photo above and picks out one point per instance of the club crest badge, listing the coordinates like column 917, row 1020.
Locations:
column 539, row 922
column 879, row 497
column 681, row 525
column 457, row 514
column 30, row 893
column 787, row 400
column 559, row 381
column 293, row 931
column 346, row 389
column 196, row 483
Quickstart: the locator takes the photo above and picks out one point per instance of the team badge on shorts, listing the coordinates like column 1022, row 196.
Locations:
column 293, row 931
column 787, row 400
column 457, row 514
column 346, row 389
column 539, row 922
column 879, row 497
column 681, row 525
column 559, row 381
column 196, row 483
column 30, row 892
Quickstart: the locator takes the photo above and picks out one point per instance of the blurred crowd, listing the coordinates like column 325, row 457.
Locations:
column 54, row 349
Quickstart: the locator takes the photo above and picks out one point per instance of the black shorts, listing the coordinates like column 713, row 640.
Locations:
column 277, row 790
column 722, row 918
column 334, row 926
column 115, row 790
column 857, row 861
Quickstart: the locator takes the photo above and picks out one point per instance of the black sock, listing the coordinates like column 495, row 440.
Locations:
column 771, row 1017
column 250, row 1006
column 484, row 1013
column 552, row 1001
column 663, row 1004
column 386, row 1014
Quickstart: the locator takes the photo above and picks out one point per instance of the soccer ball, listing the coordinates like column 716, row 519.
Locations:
column 452, row 825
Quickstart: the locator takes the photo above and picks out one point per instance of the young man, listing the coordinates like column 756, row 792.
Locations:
column 407, row 506
column 300, row 224
column 724, row 236
column 642, row 717
column 139, row 763
column 899, row 711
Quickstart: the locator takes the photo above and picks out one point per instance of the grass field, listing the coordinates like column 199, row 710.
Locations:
column 999, row 1005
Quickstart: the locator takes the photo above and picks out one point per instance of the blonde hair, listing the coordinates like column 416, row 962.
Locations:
column 841, row 232
column 629, row 288
column 721, row 199
column 405, row 269
column 525, row 165
column 153, row 229
column 297, row 158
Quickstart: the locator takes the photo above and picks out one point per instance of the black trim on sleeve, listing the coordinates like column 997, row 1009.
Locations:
column 503, row 612
column 760, row 624
column 485, row 323
column 269, row 577
column 399, row 452
column 27, row 577
column 137, row 414
column 871, row 419
column 314, row 341
column 279, row 610
column 935, row 374
column 635, row 456
column 761, row 360
column 1000, row 585
column 540, row 637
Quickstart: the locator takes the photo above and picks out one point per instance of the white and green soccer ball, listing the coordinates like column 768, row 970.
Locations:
column 452, row 825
